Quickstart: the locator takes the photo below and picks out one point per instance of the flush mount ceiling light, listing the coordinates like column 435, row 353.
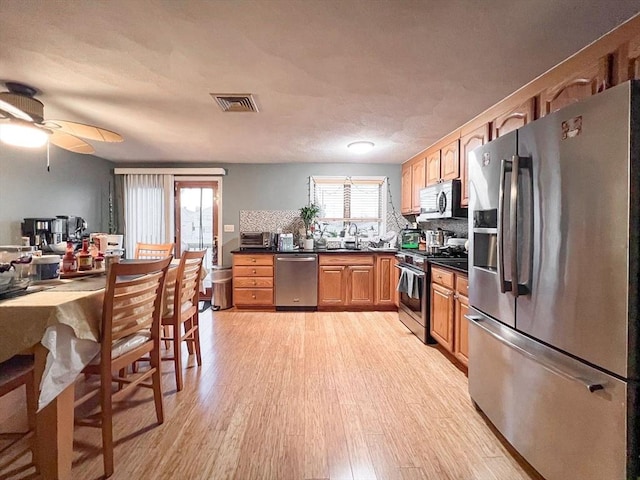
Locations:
column 21, row 134
column 360, row 147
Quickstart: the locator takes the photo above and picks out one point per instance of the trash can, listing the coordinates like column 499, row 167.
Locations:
column 221, row 292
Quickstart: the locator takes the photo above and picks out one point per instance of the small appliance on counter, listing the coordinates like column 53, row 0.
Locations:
column 285, row 242
column 250, row 240
column 410, row 238
column 46, row 267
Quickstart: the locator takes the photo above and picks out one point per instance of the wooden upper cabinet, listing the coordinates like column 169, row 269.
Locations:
column 634, row 58
column 449, row 161
column 514, row 119
column 468, row 142
column 582, row 84
column 417, row 182
column 433, row 168
column 407, row 195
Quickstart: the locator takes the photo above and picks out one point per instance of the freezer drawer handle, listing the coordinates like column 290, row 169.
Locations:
column 590, row 385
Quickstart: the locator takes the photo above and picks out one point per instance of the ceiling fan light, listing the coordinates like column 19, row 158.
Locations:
column 360, row 147
column 22, row 135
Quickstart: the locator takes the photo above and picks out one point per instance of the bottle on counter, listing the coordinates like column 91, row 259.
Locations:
column 69, row 260
column 85, row 260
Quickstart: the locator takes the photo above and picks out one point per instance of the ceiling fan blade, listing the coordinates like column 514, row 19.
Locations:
column 69, row 142
column 85, row 131
column 6, row 109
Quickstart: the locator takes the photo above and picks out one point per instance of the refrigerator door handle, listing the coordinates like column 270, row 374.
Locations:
column 513, row 224
column 590, row 385
column 518, row 163
column 505, row 286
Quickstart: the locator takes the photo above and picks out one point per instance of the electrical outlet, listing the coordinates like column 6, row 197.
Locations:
column 229, row 228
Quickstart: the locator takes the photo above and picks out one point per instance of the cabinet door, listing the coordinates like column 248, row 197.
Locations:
column 442, row 315
column 385, row 288
column 634, row 58
column 407, row 193
column 461, row 340
column 417, row 183
column 360, row 287
column 583, row 84
column 331, row 285
column 468, row 142
column 449, row 161
column 514, row 119
column 433, row 168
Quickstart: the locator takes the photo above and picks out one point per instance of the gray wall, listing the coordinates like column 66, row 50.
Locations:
column 284, row 187
column 76, row 185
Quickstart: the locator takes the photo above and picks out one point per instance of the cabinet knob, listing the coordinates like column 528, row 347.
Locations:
column 255, row 283
column 254, row 271
column 253, row 296
column 253, row 260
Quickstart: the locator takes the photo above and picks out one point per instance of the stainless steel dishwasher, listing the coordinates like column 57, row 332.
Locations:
column 297, row 281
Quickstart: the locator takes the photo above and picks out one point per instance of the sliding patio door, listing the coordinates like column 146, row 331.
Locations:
column 196, row 220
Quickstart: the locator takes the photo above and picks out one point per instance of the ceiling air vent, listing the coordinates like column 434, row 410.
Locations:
column 235, row 102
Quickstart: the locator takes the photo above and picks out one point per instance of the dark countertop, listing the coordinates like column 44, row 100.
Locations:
column 330, row 251
column 457, row 264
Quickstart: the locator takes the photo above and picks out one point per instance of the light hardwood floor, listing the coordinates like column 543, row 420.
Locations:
column 305, row 396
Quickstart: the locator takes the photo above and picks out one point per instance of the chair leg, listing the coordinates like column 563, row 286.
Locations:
column 107, row 422
column 188, row 325
column 196, row 340
column 156, row 381
column 32, row 407
column 177, row 356
column 165, row 333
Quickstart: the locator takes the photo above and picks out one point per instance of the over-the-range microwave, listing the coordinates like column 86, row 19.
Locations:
column 441, row 200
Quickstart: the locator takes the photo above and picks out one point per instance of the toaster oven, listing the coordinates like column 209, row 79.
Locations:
column 251, row 240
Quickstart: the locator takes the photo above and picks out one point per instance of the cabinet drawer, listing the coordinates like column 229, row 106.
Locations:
column 253, row 296
column 443, row 277
column 253, row 282
column 258, row 271
column 462, row 285
column 265, row 259
column 346, row 260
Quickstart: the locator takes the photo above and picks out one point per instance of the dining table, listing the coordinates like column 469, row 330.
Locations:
column 59, row 323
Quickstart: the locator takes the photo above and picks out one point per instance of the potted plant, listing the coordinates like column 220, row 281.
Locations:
column 308, row 215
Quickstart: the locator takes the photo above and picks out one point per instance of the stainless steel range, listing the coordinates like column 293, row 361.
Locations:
column 413, row 286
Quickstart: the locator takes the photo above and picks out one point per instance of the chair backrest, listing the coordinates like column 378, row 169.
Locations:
column 187, row 281
column 132, row 300
column 153, row 250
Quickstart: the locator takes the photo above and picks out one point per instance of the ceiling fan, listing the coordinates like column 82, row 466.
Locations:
column 22, row 123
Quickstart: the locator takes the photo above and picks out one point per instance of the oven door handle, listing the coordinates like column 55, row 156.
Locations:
column 416, row 273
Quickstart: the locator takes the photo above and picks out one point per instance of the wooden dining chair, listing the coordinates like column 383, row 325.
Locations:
column 130, row 329
column 14, row 373
column 145, row 251
column 182, row 311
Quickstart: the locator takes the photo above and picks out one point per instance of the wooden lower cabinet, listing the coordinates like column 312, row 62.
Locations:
column 361, row 281
column 360, row 285
column 346, row 280
column 386, row 281
column 442, row 315
column 253, row 280
column 332, row 285
column 449, row 305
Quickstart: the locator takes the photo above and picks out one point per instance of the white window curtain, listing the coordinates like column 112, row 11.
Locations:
column 148, row 210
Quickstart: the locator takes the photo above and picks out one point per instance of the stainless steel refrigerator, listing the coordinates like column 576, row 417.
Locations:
column 554, row 287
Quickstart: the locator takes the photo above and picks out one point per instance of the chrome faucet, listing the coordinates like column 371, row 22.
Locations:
column 356, row 233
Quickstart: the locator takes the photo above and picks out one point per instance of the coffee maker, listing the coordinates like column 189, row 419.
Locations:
column 43, row 232
column 39, row 231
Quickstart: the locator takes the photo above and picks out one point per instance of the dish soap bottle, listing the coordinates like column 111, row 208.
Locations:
column 85, row 260
column 69, row 260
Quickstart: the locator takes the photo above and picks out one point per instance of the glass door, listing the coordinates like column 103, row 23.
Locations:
column 196, row 214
